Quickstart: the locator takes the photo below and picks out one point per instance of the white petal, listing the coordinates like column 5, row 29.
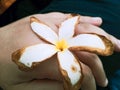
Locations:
column 92, row 43
column 44, row 31
column 36, row 53
column 67, row 28
column 87, row 40
column 70, row 67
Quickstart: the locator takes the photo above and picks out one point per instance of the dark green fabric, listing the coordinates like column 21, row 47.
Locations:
column 115, row 81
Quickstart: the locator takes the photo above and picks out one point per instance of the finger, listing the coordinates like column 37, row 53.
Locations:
column 88, row 28
column 88, row 80
column 38, row 85
column 116, row 42
column 84, row 19
column 91, row 20
column 53, row 19
column 58, row 17
column 95, row 64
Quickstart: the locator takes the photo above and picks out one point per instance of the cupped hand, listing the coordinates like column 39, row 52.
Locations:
column 47, row 76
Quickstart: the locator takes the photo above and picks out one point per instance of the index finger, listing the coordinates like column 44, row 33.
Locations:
column 97, row 21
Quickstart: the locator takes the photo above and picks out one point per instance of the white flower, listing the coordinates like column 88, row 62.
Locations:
column 62, row 44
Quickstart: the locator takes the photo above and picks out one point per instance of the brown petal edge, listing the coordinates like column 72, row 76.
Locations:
column 66, row 81
column 16, row 57
column 108, row 50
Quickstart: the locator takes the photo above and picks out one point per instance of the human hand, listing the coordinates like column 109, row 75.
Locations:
column 20, row 35
column 92, row 61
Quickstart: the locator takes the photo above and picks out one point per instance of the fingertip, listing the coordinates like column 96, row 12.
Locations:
column 97, row 21
column 118, row 45
column 104, row 83
column 91, row 20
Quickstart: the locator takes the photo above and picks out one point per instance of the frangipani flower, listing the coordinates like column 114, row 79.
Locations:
column 63, row 44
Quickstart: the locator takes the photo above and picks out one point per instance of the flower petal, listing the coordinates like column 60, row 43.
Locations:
column 93, row 43
column 67, row 28
column 70, row 69
column 44, row 31
column 32, row 55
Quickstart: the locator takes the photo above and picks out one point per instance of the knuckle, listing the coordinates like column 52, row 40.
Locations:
column 84, row 27
column 88, row 76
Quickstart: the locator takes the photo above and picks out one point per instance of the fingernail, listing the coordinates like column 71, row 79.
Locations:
column 119, row 44
column 96, row 19
column 106, row 82
column 103, row 83
column 119, row 41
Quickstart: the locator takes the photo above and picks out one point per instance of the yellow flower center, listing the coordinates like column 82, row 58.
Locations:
column 61, row 45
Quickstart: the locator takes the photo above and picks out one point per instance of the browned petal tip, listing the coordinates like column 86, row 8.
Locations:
column 109, row 46
column 66, row 80
column 33, row 19
column 68, row 85
column 72, row 15
column 16, row 57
